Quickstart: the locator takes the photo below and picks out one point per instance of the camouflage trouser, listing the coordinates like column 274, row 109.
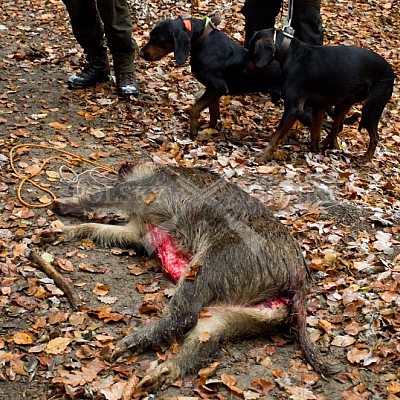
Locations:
column 307, row 21
column 95, row 21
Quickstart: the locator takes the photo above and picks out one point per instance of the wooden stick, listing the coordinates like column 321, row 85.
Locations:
column 58, row 278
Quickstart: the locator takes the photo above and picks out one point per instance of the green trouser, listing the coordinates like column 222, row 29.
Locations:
column 93, row 21
column 306, row 19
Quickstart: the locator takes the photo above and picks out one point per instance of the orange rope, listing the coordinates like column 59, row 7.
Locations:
column 28, row 178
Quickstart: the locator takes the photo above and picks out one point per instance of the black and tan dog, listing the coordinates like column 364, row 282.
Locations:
column 216, row 61
column 226, row 250
column 324, row 76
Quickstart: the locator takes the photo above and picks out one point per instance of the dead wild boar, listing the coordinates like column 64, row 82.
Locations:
column 226, row 250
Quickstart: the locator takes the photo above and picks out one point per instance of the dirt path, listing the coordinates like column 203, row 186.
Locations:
column 345, row 215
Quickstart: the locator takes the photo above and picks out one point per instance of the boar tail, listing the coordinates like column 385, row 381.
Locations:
column 311, row 353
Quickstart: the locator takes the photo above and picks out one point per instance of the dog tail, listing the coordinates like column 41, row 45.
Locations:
column 378, row 96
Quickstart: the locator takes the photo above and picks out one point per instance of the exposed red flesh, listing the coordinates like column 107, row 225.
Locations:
column 173, row 261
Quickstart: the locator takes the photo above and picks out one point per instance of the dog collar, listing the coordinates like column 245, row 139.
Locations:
column 288, row 34
column 210, row 24
column 188, row 23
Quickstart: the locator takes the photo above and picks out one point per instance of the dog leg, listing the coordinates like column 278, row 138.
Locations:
column 106, row 235
column 316, row 126
column 206, row 100
column 373, row 142
column 203, row 340
column 330, row 142
column 289, row 117
column 372, row 111
column 215, row 113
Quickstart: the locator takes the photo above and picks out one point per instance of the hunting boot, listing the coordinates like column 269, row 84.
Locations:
column 96, row 71
column 126, row 84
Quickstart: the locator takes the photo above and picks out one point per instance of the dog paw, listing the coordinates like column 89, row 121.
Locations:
column 54, row 236
column 163, row 375
column 266, row 156
column 330, row 144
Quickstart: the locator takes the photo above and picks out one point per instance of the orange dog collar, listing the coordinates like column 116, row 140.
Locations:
column 188, row 24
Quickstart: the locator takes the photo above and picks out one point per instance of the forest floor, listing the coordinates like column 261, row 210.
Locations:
column 344, row 214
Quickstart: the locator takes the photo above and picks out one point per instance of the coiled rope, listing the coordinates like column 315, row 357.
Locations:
column 29, row 178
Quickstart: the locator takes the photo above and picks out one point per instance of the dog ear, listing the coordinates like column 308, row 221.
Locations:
column 262, row 48
column 264, row 52
column 181, row 46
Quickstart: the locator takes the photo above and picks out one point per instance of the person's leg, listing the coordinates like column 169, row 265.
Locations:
column 259, row 14
column 89, row 33
column 307, row 21
column 117, row 22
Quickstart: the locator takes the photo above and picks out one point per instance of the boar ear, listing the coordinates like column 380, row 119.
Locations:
column 181, row 46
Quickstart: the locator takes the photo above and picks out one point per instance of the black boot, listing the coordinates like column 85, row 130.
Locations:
column 96, row 71
column 126, row 84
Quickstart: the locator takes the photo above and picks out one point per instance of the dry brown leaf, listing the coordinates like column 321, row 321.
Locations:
column 262, row 386
column 22, row 338
column 228, row 380
column 58, row 126
column 17, row 366
column 300, row 393
column 100, row 289
column 77, row 318
column 57, row 345
column 355, row 355
column 204, row 336
column 65, row 265
column 394, row 387
column 150, row 198
column 205, row 373
column 343, row 341
column 129, row 387
column 192, row 272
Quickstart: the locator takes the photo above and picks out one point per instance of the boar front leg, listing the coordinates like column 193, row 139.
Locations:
column 105, row 235
column 179, row 317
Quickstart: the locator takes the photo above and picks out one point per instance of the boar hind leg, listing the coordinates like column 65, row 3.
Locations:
column 222, row 323
column 105, row 235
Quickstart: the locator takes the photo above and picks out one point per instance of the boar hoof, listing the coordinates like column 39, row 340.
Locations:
column 163, row 375
column 130, row 342
column 54, row 236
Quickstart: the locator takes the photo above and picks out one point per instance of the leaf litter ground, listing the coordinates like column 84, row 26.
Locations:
column 345, row 215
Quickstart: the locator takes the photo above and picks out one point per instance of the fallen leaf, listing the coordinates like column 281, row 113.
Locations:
column 204, row 336
column 262, row 386
column 59, row 126
column 394, row 387
column 343, row 341
column 205, row 373
column 355, row 355
column 22, row 338
column 57, row 345
column 101, row 289
column 192, row 273
column 300, row 393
